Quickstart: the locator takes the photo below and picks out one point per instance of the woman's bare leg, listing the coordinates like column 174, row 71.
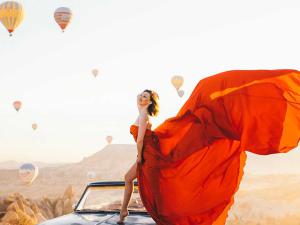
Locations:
column 129, row 177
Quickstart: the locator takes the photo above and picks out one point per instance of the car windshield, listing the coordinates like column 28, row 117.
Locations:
column 108, row 198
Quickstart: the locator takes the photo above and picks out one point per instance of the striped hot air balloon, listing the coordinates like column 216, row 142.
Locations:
column 17, row 105
column 11, row 15
column 63, row 16
column 28, row 172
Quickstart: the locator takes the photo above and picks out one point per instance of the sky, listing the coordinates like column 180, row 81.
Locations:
column 135, row 44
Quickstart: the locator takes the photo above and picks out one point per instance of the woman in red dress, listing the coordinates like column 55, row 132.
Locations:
column 193, row 162
column 147, row 103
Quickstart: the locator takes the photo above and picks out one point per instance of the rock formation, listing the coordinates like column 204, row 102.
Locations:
column 16, row 210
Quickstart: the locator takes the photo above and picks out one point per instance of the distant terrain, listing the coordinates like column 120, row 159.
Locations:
column 12, row 165
column 111, row 163
column 270, row 187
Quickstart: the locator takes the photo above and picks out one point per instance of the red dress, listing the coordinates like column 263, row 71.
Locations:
column 194, row 161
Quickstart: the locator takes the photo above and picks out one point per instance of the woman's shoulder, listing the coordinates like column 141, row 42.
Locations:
column 147, row 118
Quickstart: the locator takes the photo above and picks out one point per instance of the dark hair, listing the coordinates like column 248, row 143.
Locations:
column 153, row 108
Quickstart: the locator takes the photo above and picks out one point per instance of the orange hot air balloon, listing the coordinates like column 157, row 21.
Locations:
column 177, row 81
column 11, row 15
column 17, row 105
column 63, row 16
column 180, row 93
column 95, row 72
column 34, row 126
column 109, row 139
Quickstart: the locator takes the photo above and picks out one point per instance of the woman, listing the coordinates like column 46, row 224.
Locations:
column 194, row 161
column 147, row 103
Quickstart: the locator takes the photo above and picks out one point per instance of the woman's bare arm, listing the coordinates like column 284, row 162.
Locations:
column 143, row 117
column 137, row 120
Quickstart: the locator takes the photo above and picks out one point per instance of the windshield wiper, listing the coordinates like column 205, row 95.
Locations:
column 97, row 210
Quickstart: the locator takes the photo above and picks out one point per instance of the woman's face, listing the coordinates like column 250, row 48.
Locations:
column 143, row 98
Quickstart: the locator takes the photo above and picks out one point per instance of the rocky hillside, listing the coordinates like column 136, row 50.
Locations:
column 110, row 163
column 17, row 210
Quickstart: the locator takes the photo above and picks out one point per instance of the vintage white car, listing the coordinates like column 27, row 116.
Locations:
column 100, row 204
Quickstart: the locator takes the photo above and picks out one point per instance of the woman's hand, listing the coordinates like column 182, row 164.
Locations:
column 138, row 99
column 139, row 159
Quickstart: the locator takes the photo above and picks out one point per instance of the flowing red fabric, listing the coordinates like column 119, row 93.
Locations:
column 194, row 161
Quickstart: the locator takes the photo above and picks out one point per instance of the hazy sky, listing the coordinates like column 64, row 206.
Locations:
column 136, row 44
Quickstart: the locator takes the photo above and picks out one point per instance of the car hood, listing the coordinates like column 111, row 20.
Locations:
column 98, row 219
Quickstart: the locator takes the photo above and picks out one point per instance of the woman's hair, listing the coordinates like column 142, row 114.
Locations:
column 153, row 108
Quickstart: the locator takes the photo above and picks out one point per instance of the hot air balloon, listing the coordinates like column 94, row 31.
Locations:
column 109, row 139
column 91, row 175
column 17, row 105
column 28, row 173
column 34, row 126
column 63, row 16
column 11, row 15
column 180, row 93
column 95, row 72
column 177, row 81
